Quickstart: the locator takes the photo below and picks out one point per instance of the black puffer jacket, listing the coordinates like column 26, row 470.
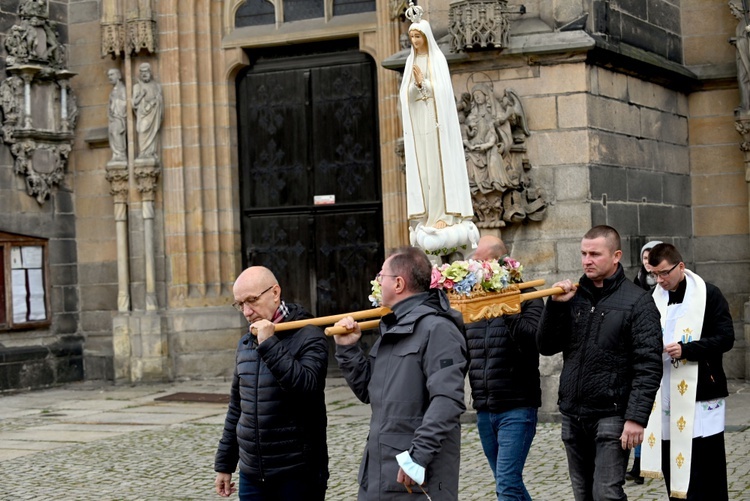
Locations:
column 504, row 360
column 276, row 422
column 611, row 349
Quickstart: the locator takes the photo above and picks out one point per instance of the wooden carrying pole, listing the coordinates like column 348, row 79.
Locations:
column 332, row 319
column 375, row 313
column 543, row 293
column 371, row 324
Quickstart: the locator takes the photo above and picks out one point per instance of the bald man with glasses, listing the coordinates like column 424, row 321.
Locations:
column 275, row 428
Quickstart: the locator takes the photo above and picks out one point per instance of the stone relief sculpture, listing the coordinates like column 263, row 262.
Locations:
column 148, row 104
column 438, row 198
column 39, row 109
column 34, row 40
column 11, row 101
column 117, row 117
column 494, row 132
column 742, row 44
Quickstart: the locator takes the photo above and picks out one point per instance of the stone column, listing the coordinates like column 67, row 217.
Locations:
column 117, row 175
column 147, row 174
column 395, row 221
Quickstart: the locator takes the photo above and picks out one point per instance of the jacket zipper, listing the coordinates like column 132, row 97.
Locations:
column 257, row 428
column 583, row 358
column 486, row 362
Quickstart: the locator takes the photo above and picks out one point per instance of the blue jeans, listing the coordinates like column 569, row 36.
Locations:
column 596, row 459
column 506, row 439
column 290, row 488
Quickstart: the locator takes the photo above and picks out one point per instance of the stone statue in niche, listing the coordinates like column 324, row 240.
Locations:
column 148, row 104
column 117, row 117
column 742, row 44
column 438, row 197
column 494, row 132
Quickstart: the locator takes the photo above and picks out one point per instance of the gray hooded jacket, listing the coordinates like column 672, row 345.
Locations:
column 414, row 381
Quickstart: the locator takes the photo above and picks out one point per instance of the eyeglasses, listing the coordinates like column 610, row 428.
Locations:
column 380, row 276
column 240, row 305
column 662, row 274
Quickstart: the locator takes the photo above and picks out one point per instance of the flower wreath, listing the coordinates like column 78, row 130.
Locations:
column 467, row 278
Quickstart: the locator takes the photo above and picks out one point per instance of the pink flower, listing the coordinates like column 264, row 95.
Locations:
column 448, row 284
column 435, row 279
column 512, row 263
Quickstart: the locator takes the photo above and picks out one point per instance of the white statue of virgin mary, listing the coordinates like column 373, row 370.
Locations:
column 437, row 184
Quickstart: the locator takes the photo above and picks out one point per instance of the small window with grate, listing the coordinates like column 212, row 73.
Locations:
column 254, row 13
column 344, row 7
column 299, row 10
column 24, row 300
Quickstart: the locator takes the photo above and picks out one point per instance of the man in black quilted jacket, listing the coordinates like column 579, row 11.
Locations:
column 505, row 388
column 609, row 332
column 276, row 423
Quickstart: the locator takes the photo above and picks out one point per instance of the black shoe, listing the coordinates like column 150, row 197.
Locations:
column 635, row 473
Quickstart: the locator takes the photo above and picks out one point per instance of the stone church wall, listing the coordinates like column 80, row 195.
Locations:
column 51, row 354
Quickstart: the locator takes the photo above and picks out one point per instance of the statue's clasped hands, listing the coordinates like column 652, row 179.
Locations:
column 418, row 77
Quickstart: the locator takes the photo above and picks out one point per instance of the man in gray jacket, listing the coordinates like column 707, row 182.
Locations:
column 413, row 379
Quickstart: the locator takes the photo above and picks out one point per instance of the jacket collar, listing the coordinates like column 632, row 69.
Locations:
column 610, row 283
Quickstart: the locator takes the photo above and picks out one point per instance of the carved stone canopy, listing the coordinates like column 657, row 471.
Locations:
column 39, row 109
column 478, row 24
column 133, row 32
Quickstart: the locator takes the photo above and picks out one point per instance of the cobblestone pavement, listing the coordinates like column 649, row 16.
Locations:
column 91, row 441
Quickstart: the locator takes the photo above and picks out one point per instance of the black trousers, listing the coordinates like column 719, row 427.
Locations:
column 708, row 469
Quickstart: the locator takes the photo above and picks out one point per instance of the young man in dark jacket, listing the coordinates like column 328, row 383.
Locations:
column 276, row 423
column 505, row 388
column 413, row 379
column 698, row 331
column 609, row 333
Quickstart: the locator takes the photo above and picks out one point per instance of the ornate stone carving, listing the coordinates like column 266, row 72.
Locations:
column 147, row 178
column 494, row 133
column 34, row 40
column 396, row 8
column 141, row 35
column 113, row 39
column 742, row 124
column 742, row 44
column 39, row 109
column 12, row 103
column 117, row 175
column 478, row 24
column 30, row 156
column 137, row 33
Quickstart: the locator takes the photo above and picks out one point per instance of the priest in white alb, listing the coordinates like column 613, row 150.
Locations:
column 684, row 438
